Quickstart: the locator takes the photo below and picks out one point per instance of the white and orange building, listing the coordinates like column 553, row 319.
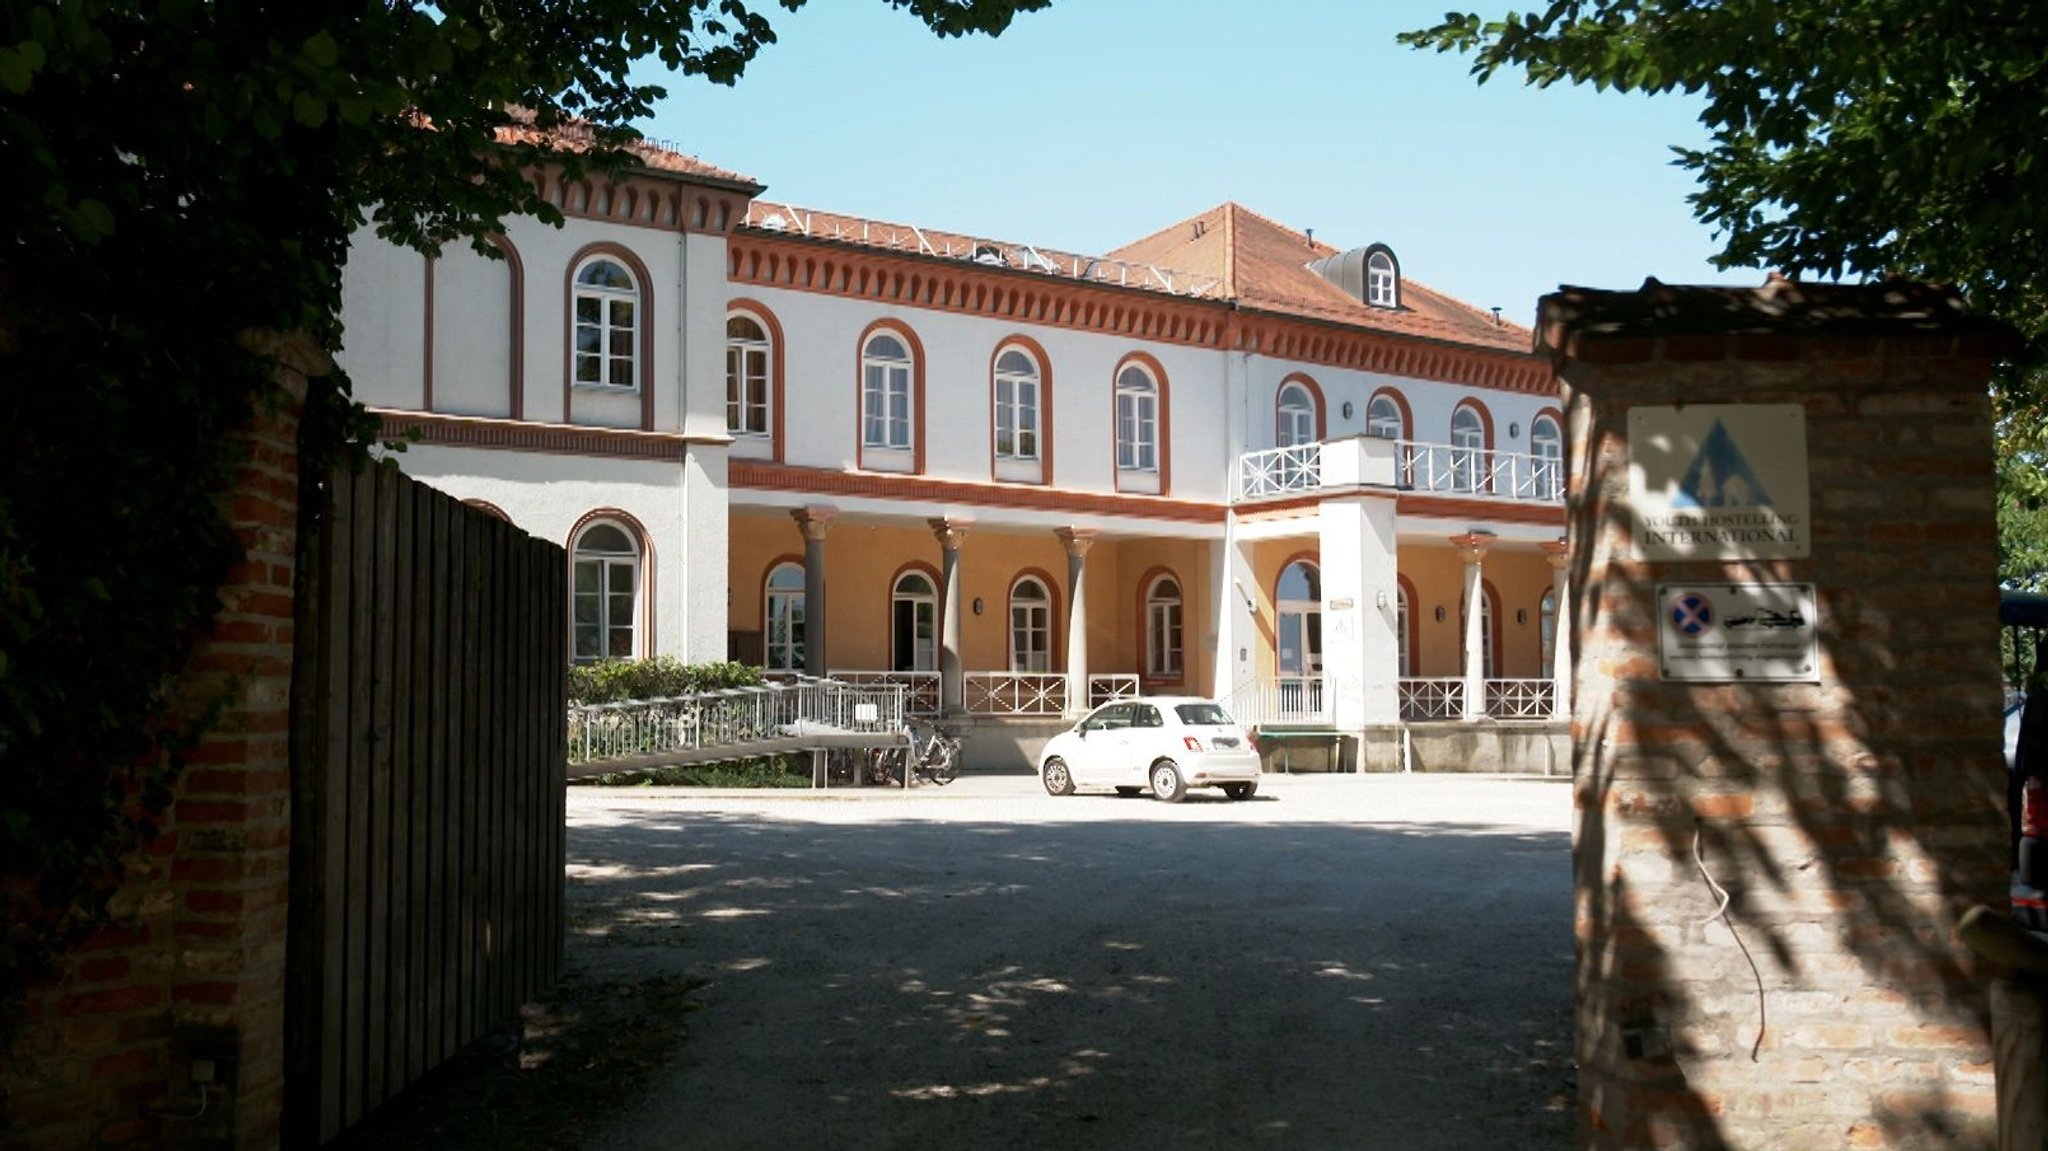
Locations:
column 1225, row 459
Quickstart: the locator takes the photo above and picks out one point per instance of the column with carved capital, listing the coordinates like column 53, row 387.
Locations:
column 952, row 676
column 1557, row 553
column 814, row 522
column 1077, row 541
column 1472, row 549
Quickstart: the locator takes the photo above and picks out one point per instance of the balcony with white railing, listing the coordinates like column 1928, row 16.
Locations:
column 1477, row 473
column 1004, row 693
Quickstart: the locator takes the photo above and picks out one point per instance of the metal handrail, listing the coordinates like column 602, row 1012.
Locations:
column 732, row 718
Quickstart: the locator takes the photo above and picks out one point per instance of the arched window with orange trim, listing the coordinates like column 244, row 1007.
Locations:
column 606, row 593
column 605, row 325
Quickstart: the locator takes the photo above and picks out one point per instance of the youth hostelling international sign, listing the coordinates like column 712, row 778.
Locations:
column 1719, row 482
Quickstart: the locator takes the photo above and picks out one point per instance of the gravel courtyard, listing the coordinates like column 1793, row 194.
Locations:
column 1342, row 962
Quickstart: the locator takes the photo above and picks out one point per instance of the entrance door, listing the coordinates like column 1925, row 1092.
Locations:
column 1298, row 638
column 913, row 624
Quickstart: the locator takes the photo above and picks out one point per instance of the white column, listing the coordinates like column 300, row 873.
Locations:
column 814, row 522
column 1077, row 541
column 952, row 675
column 1558, row 555
column 1472, row 549
column 1361, row 662
column 1235, row 614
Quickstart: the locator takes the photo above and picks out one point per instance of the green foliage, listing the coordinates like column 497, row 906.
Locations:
column 775, row 771
column 182, row 176
column 1847, row 137
column 663, row 677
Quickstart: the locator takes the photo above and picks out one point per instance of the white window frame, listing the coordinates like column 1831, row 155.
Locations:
column 1030, row 626
column 783, row 619
column 605, row 330
column 604, row 600
column 1468, row 448
column 1383, row 418
column 1546, row 446
column 1015, row 400
column 1164, row 618
column 924, row 608
column 1382, row 281
column 1137, row 421
column 749, row 379
column 1296, row 416
column 888, row 408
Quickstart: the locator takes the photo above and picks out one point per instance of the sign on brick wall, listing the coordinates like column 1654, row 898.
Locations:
column 1719, row 482
column 1726, row 632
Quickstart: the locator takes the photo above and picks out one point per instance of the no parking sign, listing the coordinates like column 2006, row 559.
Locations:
column 1728, row 632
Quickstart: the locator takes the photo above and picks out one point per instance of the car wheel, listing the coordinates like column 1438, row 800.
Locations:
column 1167, row 783
column 1127, row 792
column 1057, row 780
column 1240, row 790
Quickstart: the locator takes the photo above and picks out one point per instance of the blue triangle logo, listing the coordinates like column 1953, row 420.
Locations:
column 1720, row 477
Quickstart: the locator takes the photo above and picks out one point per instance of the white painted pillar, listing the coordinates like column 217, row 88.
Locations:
column 952, row 675
column 1557, row 554
column 814, row 522
column 1234, row 615
column 1077, row 541
column 1472, row 549
column 1361, row 588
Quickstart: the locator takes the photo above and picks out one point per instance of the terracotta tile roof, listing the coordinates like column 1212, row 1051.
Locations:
column 913, row 240
column 1264, row 265
column 656, row 155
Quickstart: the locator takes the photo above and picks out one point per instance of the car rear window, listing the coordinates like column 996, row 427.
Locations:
column 1202, row 714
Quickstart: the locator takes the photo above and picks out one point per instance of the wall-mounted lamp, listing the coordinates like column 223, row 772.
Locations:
column 1521, row 615
column 1346, row 409
column 1246, row 595
column 1514, row 431
column 977, row 605
column 1440, row 613
column 1380, row 597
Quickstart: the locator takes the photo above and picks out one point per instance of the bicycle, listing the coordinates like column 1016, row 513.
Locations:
column 933, row 753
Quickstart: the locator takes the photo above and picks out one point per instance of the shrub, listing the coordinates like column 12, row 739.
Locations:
column 658, row 678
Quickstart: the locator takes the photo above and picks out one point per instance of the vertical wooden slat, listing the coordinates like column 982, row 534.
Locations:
column 332, row 861
column 418, row 800
column 495, row 722
column 404, row 725
column 354, row 937
column 531, row 763
column 308, row 756
column 448, row 784
column 558, row 785
column 468, row 765
column 376, row 873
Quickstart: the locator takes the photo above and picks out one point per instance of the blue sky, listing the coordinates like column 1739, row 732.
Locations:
column 1095, row 122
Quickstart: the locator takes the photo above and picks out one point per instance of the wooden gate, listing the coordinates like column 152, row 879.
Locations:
column 427, row 794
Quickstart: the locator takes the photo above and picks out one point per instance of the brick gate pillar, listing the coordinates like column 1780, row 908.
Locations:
column 1784, row 607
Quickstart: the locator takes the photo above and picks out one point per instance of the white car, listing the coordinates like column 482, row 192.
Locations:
column 1167, row 743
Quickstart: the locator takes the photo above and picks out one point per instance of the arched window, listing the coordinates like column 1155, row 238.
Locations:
column 1546, row 447
column 606, row 322
column 1401, row 634
column 1547, row 615
column 1297, row 416
column 1298, row 614
column 1382, row 281
column 913, row 623
column 1137, row 421
column 783, row 622
column 1030, row 626
column 607, row 593
column 1383, row 418
column 1016, row 405
column 1163, row 628
column 1468, row 449
column 747, row 393
column 887, row 401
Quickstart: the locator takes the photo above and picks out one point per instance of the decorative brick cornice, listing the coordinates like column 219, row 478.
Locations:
column 1339, row 346
column 761, row 475
column 528, row 436
column 665, row 203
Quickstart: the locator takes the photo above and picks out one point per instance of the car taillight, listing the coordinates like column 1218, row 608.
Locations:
column 1191, row 743
column 2034, row 808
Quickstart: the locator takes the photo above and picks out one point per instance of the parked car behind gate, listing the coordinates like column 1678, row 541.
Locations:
column 1166, row 743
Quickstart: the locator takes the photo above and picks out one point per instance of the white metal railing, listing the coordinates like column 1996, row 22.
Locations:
column 1116, row 685
column 1016, row 692
column 1295, row 699
column 1279, row 471
column 1426, row 698
column 1478, row 472
column 921, row 688
column 732, row 718
column 1521, row 698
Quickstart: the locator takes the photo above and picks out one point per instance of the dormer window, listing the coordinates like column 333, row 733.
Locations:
column 1382, row 280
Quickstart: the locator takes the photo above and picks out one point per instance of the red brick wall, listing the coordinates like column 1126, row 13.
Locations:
column 1852, row 820
column 195, row 965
